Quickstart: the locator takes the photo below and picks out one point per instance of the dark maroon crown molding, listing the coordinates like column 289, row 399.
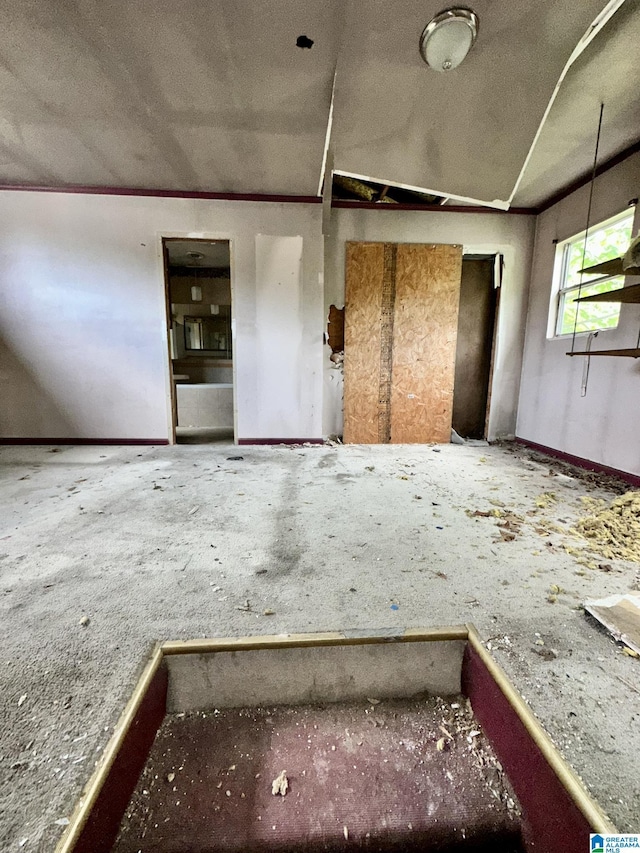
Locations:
column 433, row 208
column 162, row 193
column 258, row 197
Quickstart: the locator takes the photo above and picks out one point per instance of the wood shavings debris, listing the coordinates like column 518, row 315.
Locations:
column 280, row 784
column 544, row 527
column 575, row 552
column 614, row 529
column 545, row 500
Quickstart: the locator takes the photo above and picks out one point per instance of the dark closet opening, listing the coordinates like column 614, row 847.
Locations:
column 474, row 350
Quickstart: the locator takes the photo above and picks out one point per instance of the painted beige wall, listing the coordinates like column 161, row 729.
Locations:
column 82, row 313
column 83, row 342
column 479, row 233
column 603, row 426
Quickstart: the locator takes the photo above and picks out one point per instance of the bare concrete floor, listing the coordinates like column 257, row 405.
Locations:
column 204, row 435
column 169, row 543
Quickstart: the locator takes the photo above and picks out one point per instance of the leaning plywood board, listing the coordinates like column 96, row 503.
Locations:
column 424, row 342
column 362, row 342
column 621, row 615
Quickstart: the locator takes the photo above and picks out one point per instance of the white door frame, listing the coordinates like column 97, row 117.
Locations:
column 210, row 236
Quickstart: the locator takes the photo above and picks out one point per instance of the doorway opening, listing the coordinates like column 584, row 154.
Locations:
column 479, row 295
column 199, row 312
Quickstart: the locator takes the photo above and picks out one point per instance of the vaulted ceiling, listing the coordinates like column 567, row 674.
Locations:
column 216, row 96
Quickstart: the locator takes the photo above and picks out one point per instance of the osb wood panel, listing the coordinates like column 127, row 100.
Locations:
column 424, row 342
column 362, row 341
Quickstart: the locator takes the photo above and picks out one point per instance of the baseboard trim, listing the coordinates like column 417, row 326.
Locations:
column 280, row 441
column 87, row 441
column 580, row 462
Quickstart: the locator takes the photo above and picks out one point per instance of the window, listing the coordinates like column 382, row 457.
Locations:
column 605, row 242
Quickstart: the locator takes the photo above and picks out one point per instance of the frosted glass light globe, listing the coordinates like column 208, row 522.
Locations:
column 448, row 38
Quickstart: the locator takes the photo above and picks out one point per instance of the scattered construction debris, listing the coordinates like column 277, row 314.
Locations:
column 615, row 529
column 620, row 614
column 545, row 500
column 280, row 784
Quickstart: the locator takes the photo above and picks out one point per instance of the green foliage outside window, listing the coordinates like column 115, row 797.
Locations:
column 603, row 244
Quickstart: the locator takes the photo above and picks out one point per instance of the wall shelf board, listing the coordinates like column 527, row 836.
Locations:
column 626, row 353
column 627, row 295
column 612, row 267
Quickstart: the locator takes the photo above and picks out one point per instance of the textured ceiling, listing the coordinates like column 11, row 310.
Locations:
column 215, row 96
column 215, row 253
column 465, row 133
column 189, row 95
column 607, row 72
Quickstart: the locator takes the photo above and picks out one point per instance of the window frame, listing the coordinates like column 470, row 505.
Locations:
column 560, row 292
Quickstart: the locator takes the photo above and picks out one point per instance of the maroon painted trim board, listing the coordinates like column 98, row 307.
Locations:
column 280, row 441
column 103, row 822
column 580, row 462
column 85, row 441
column 552, row 819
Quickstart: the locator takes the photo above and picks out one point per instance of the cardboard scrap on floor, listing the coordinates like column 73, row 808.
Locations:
column 620, row 614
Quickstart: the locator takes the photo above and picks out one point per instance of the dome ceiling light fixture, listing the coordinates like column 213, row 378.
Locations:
column 448, row 38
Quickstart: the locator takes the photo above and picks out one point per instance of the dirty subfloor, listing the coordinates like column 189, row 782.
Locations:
column 105, row 550
column 374, row 775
